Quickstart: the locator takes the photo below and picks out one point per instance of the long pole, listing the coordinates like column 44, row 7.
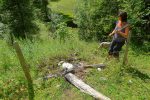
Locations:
column 25, row 70
column 125, row 59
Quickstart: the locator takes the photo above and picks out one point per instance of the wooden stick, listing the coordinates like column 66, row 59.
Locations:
column 25, row 70
column 84, row 87
column 95, row 66
column 119, row 29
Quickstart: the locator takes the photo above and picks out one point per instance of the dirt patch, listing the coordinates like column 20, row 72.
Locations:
column 50, row 65
column 71, row 95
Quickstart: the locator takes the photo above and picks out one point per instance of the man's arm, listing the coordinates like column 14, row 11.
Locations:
column 113, row 32
column 125, row 35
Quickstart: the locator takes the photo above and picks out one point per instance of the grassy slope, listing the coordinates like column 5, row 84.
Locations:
column 64, row 6
column 44, row 53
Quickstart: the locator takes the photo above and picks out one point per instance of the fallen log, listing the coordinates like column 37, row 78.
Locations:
column 84, row 87
column 67, row 73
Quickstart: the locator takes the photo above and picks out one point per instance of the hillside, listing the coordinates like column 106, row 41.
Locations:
column 44, row 51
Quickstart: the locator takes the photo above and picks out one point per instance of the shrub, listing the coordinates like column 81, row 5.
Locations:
column 95, row 18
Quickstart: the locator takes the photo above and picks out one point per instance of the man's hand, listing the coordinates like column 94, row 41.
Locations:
column 118, row 32
column 110, row 34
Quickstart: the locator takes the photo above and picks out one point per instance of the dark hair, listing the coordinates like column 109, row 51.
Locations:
column 123, row 16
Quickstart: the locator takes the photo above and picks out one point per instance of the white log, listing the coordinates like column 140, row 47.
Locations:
column 105, row 44
column 84, row 87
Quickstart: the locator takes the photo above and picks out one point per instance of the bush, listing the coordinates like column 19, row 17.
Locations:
column 96, row 18
column 41, row 9
column 62, row 32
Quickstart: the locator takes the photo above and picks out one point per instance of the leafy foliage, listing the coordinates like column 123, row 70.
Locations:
column 96, row 18
column 138, row 12
column 59, row 28
column 62, row 31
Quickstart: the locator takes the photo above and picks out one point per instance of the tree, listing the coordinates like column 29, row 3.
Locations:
column 44, row 10
column 20, row 17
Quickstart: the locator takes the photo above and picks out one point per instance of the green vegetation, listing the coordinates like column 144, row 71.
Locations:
column 55, row 42
column 104, row 12
column 100, row 12
column 41, row 9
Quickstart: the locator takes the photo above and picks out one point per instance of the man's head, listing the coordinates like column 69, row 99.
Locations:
column 123, row 16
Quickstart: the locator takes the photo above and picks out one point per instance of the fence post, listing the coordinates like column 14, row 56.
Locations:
column 125, row 59
column 25, row 70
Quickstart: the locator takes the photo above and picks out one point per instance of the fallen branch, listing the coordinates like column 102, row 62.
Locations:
column 84, row 87
column 95, row 66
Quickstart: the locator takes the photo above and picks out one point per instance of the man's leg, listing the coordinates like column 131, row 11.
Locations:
column 111, row 48
column 117, row 48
